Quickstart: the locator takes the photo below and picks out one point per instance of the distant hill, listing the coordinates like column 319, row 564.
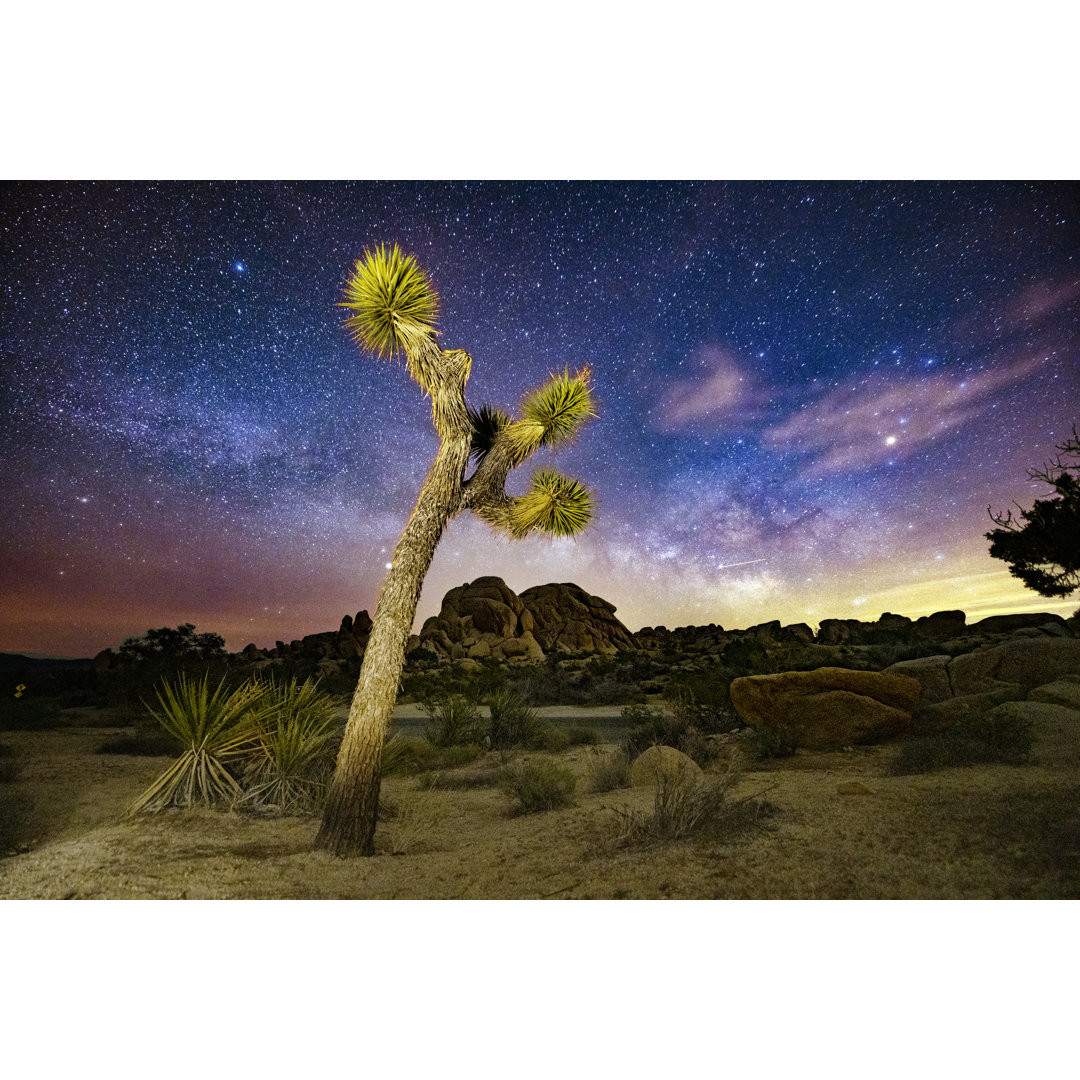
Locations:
column 19, row 662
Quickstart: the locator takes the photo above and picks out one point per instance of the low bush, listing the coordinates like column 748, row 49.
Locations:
column 773, row 742
column 514, row 723
column 457, row 779
column 651, row 727
column 404, row 755
column 453, row 720
column 976, row 738
column 685, row 806
column 538, row 785
column 609, row 771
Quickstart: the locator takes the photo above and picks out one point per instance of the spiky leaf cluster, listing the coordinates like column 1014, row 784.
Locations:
column 552, row 414
column 554, row 504
column 393, row 300
column 487, row 422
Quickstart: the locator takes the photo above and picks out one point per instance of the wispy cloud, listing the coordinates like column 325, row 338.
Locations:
column 868, row 422
column 1028, row 309
column 719, row 385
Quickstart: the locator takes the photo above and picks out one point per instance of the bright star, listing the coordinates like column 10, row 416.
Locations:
column 891, row 440
column 238, row 267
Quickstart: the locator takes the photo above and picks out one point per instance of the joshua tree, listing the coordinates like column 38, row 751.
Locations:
column 395, row 308
column 1044, row 552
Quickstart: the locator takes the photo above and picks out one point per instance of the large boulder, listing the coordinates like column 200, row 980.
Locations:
column 1060, row 692
column 568, row 619
column 652, row 765
column 1025, row 661
column 1006, row 624
column 932, row 673
column 830, row 707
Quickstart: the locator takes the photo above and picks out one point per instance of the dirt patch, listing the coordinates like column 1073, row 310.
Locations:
column 840, row 827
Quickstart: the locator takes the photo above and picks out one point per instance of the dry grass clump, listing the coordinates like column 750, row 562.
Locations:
column 458, row 779
column 685, row 806
column 404, row 755
column 538, row 785
column 608, row 771
column 411, row 821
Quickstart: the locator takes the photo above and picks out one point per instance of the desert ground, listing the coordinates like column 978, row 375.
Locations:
column 827, row 825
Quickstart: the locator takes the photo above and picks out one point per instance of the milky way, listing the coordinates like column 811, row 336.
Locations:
column 809, row 395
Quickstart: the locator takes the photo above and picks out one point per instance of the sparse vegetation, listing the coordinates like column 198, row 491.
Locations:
column 514, row 723
column 453, row 720
column 411, row 821
column 457, row 779
column 216, row 730
column 538, row 785
column 290, row 762
column 608, row 771
column 976, row 738
column 774, row 742
column 684, row 806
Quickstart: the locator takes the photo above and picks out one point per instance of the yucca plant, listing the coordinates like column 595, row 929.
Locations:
column 289, row 767
column 394, row 308
column 216, row 729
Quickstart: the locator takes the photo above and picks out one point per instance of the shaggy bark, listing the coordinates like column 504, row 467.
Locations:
column 348, row 826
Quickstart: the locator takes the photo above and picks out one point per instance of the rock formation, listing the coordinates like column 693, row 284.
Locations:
column 485, row 618
column 829, row 707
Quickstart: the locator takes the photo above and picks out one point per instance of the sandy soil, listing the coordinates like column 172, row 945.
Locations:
column 840, row 827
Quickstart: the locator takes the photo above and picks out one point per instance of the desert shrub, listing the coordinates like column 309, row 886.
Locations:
column 406, row 756
column 773, row 742
column 514, row 723
column 453, row 720
column 538, row 785
column 609, row 771
column 21, row 711
column 290, row 762
column 976, row 738
column 650, row 727
column 556, row 737
column 457, row 779
column 216, row 730
column 702, row 702
column 684, row 806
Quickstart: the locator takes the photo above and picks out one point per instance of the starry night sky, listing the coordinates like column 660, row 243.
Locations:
column 809, row 395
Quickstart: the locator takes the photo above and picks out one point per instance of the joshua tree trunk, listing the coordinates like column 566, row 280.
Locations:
column 396, row 307
column 348, row 826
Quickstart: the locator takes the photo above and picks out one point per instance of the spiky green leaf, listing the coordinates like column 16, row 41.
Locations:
column 553, row 413
column 554, row 503
column 393, row 301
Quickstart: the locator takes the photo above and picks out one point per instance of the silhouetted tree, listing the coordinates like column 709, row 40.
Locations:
column 1042, row 546
column 166, row 645
column 395, row 310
